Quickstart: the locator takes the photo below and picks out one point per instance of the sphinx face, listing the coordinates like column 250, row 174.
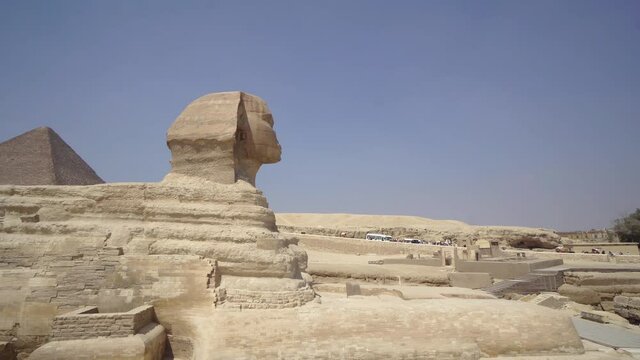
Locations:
column 263, row 146
column 223, row 137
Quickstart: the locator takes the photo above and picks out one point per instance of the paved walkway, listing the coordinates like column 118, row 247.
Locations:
column 606, row 334
column 593, row 266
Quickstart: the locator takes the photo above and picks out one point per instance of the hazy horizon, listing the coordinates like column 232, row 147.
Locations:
column 493, row 113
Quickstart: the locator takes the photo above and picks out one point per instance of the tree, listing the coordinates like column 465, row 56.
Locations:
column 628, row 227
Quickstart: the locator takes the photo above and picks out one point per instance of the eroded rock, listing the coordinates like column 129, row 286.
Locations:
column 579, row 294
column 628, row 308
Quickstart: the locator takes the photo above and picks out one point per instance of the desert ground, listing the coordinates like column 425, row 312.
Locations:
column 338, row 261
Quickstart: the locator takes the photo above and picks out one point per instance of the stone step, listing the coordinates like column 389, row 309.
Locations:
column 526, row 284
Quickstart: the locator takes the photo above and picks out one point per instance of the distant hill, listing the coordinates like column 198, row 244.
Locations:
column 357, row 226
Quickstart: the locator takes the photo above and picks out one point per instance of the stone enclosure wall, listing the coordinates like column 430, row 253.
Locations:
column 625, row 248
column 247, row 299
column 41, row 281
column 87, row 323
column 504, row 269
column 607, row 284
column 580, row 257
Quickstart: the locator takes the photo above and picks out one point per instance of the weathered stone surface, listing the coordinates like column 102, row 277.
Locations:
column 579, row 294
column 149, row 343
column 606, row 284
column 387, row 327
column 470, row 280
column 604, row 317
column 87, row 323
column 223, row 137
column 7, row 351
column 550, row 300
column 628, row 308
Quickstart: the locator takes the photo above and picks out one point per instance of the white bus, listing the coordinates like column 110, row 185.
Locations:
column 378, row 237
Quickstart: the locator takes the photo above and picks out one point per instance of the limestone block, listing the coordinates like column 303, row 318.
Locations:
column 580, row 295
column 271, row 244
column 352, row 289
column 470, row 280
column 604, row 317
column 147, row 345
column 36, row 319
column 550, row 300
column 7, row 351
column 628, row 308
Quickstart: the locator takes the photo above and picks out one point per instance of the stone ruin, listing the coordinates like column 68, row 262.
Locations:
column 202, row 247
column 136, row 333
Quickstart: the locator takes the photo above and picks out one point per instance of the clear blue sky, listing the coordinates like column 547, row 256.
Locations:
column 490, row 112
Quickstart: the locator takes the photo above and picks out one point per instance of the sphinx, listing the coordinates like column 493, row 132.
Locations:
column 204, row 233
column 202, row 247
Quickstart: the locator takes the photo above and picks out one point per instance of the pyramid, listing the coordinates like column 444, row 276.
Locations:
column 41, row 157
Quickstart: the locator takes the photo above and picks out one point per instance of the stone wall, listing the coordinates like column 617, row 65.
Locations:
column 149, row 344
column 248, row 299
column 470, row 280
column 615, row 247
column 625, row 259
column 579, row 257
column 88, row 323
column 607, row 284
column 422, row 261
column 53, row 284
column 505, row 269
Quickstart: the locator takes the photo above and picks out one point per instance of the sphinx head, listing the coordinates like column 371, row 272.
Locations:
column 223, row 137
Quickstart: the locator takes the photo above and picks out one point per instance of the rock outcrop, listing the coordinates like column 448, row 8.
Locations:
column 628, row 308
column 581, row 295
column 607, row 285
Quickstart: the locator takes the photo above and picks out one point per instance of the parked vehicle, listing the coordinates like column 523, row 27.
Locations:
column 378, row 237
column 564, row 249
column 413, row 241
